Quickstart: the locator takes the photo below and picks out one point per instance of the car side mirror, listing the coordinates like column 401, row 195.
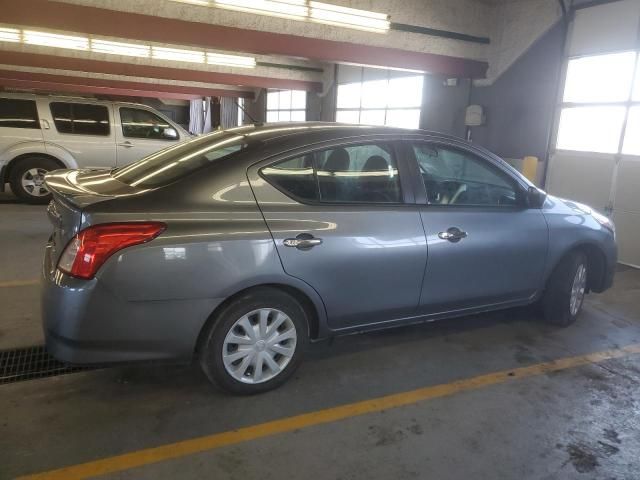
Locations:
column 170, row 133
column 535, row 197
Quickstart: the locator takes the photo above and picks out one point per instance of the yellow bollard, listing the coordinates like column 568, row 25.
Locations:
column 530, row 168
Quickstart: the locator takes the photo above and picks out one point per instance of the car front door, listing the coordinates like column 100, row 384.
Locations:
column 141, row 133
column 486, row 248
column 344, row 221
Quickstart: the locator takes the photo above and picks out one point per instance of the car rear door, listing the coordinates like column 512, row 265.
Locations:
column 84, row 130
column 140, row 133
column 486, row 248
column 344, row 221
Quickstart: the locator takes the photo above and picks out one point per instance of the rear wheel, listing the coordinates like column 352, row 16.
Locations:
column 27, row 179
column 566, row 289
column 255, row 343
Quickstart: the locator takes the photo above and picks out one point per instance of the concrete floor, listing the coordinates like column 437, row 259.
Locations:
column 577, row 423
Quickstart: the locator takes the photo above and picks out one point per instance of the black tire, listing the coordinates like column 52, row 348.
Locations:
column 23, row 166
column 212, row 341
column 556, row 301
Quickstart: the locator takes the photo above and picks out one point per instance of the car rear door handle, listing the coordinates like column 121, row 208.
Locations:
column 126, row 144
column 453, row 234
column 304, row 241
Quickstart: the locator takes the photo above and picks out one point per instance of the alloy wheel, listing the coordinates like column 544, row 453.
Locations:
column 32, row 182
column 577, row 289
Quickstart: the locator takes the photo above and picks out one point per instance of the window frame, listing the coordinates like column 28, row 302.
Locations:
column 105, row 106
column 407, row 193
column 386, row 108
column 562, row 105
column 290, row 110
column 157, row 114
column 421, row 189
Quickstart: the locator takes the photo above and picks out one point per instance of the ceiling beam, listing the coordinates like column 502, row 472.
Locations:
column 64, row 83
column 136, row 70
column 100, row 21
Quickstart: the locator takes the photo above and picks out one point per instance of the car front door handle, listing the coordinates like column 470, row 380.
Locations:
column 304, row 241
column 126, row 144
column 453, row 234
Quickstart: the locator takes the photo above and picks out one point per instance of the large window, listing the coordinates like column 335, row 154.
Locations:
column 16, row 113
column 80, row 118
column 393, row 101
column 286, row 106
column 600, row 105
column 350, row 174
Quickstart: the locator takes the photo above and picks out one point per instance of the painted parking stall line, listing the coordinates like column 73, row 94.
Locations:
column 184, row 448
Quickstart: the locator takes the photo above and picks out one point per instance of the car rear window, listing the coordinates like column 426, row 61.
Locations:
column 173, row 163
column 16, row 113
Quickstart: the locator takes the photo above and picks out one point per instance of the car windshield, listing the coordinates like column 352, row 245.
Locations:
column 170, row 164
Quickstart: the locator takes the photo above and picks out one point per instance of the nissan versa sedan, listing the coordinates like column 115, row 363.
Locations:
column 241, row 247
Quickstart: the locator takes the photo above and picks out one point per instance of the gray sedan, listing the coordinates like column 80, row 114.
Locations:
column 240, row 247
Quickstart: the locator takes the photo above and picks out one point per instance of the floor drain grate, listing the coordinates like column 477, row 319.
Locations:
column 30, row 363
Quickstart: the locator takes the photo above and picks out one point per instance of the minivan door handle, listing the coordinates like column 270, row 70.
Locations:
column 126, row 144
column 453, row 234
column 304, row 241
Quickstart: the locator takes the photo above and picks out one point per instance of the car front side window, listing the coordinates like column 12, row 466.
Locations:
column 138, row 123
column 455, row 177
column 345, row 174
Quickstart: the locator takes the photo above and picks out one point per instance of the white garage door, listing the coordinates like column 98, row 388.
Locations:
column 597, row 157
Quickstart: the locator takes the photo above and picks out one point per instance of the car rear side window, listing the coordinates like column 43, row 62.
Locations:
column 456, row 177
column 138, row 123
column 80, row 118
column 347, row 174
column 17, row 113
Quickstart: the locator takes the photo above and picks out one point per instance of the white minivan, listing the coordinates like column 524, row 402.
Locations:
column 41, row 133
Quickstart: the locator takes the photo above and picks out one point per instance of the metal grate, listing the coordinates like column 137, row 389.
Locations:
column 30, row 363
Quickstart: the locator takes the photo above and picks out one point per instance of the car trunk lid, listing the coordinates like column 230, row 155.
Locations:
column 73, row 191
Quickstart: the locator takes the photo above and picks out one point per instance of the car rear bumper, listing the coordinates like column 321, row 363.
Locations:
column 84, row 322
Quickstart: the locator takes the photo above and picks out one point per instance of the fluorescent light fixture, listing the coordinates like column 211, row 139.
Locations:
column 178, row 54
column 230, row 60
column 119, row 48
column 348, row 17
column 294, row 9
column 47, row 39
column 9, row 35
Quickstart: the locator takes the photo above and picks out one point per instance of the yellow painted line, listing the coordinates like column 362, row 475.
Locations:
column 19, row 283
column 149, row 456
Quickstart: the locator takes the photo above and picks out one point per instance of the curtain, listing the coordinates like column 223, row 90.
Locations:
column 206, row 128
column 196, row 116
column 228, row 112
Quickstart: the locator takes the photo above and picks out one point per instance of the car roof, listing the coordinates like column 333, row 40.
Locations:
column 302, row 132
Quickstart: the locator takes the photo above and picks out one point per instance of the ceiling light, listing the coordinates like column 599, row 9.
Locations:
column 178, row 54
column 9, row 35
column 119, row 48
column 230, row 60
column 295, row 9
column 349, row 17
column 47, row 39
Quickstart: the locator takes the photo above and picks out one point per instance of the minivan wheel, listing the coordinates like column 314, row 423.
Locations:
column 566, row 289
column 255, row 343
column 27, row 179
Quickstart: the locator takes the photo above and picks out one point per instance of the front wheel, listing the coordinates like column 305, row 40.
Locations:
column 566, row 289
column 255, row 343
column 27, row 179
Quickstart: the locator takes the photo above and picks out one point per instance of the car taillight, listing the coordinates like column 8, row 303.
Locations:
column 90, row 248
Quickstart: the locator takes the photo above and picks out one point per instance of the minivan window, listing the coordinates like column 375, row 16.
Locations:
column 349, row 174
column 80, row 118
column 138, row 123
column 173, row 163
column 16, row 113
